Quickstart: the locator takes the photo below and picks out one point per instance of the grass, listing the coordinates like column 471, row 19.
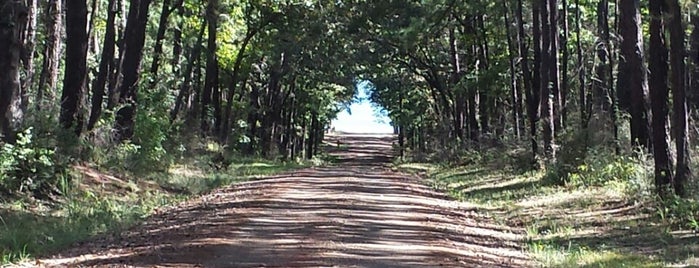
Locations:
column 100, row 204
column 608, row 223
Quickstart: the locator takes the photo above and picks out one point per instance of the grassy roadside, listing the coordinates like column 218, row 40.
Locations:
column 604, row 224
column 98, row 203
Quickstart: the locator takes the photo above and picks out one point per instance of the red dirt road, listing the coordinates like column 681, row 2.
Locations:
column 357, row 213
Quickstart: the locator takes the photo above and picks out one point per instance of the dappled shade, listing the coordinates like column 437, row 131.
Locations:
column 357, row 213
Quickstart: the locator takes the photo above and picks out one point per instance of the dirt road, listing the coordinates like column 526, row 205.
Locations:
column 357, row 213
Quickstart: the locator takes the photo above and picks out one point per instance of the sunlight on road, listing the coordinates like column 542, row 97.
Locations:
column 364, row 117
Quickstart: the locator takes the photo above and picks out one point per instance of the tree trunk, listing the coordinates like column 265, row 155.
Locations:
column 554, row 67
column 134, row 39
column 185, row 86
column 534, row 101
column 52, row 52
column 679, row 95
column 584, row 113
column 177, row 41
column 565, row 57
column 631, row 62
column 547, row 106
column 75, row 79
column 13, row 17
column 116, row 76
column 29, row 37
column 160, row 35
column 106, row 65
column 600, row 86
column 514, row 88
column 228, row 112
column 210, row 82
column 693, row 92
column 659, row 98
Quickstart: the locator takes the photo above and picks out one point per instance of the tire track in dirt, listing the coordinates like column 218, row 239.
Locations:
column 357, row 213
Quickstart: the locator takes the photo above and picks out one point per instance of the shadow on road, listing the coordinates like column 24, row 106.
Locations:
column 353, row 214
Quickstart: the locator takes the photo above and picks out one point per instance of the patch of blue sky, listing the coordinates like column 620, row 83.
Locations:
column 363, row 116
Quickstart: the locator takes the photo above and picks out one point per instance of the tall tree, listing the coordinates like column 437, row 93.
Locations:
column 106, row 65
column 535, row 103
column 565, row 55
column 53, row 17
column 679, row 95
column 165, row 13
column 554, row 66
column 211, row 80
column 582, row 92
column 631, row 62
column 531, row 91
column 75, row 79
column 515, row 94
column 547, row 98
column 659, row 97
column 693, row 94
column 13, row 17
column 134, row 39
column 29, row 37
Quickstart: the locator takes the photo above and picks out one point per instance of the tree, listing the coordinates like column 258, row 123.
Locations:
column 75, row 79
column 134, row 39
column 211, row 80
column 29, row 38
column 659, row 97
column 52, row 51
column 106, row 65
column 679, row 95
column 13, row 17
column 547, row 98
column 631, row 62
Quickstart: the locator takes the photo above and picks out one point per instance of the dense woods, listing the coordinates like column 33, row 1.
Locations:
column 144, row 83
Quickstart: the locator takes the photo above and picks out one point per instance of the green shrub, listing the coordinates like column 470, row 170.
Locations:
column 28, row 167
column 679, row 212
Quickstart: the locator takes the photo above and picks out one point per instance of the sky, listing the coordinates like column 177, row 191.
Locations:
column 364, row 117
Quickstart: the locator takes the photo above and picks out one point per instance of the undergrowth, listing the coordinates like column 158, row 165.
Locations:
column 121, row 185
column 597, row 209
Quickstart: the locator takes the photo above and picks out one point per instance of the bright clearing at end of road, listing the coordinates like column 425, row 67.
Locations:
column 364, row 117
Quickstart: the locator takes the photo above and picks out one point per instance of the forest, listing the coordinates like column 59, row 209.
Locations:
column 166, row 100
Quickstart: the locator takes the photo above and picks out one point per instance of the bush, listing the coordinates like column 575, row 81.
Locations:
column 27, row 167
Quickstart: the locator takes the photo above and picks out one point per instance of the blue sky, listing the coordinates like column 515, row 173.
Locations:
column 365, row 117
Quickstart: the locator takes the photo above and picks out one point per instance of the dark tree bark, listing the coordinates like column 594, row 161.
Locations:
column 582, row 93
column 485, row 107
column 106, row 65
column 160, row 35
column 29, row 37
column 75, row 79
column 554, row 67
column 631, row 62
column 134, row 39
column 114, row 81
column 515, row 93
column 679, row 95
column 600, row 87
column 228, row 112
column 693, row 93
column 535, row 100
column 177, row 42
column 13, row 17
column 565, row 57
column 659, row 98
column 185, row 86
column 547, row 98
column 531, row 92
column 454, row 79
column 52, row 51
column 211, row 80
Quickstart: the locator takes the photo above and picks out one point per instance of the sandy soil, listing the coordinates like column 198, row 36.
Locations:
column 356, row 213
